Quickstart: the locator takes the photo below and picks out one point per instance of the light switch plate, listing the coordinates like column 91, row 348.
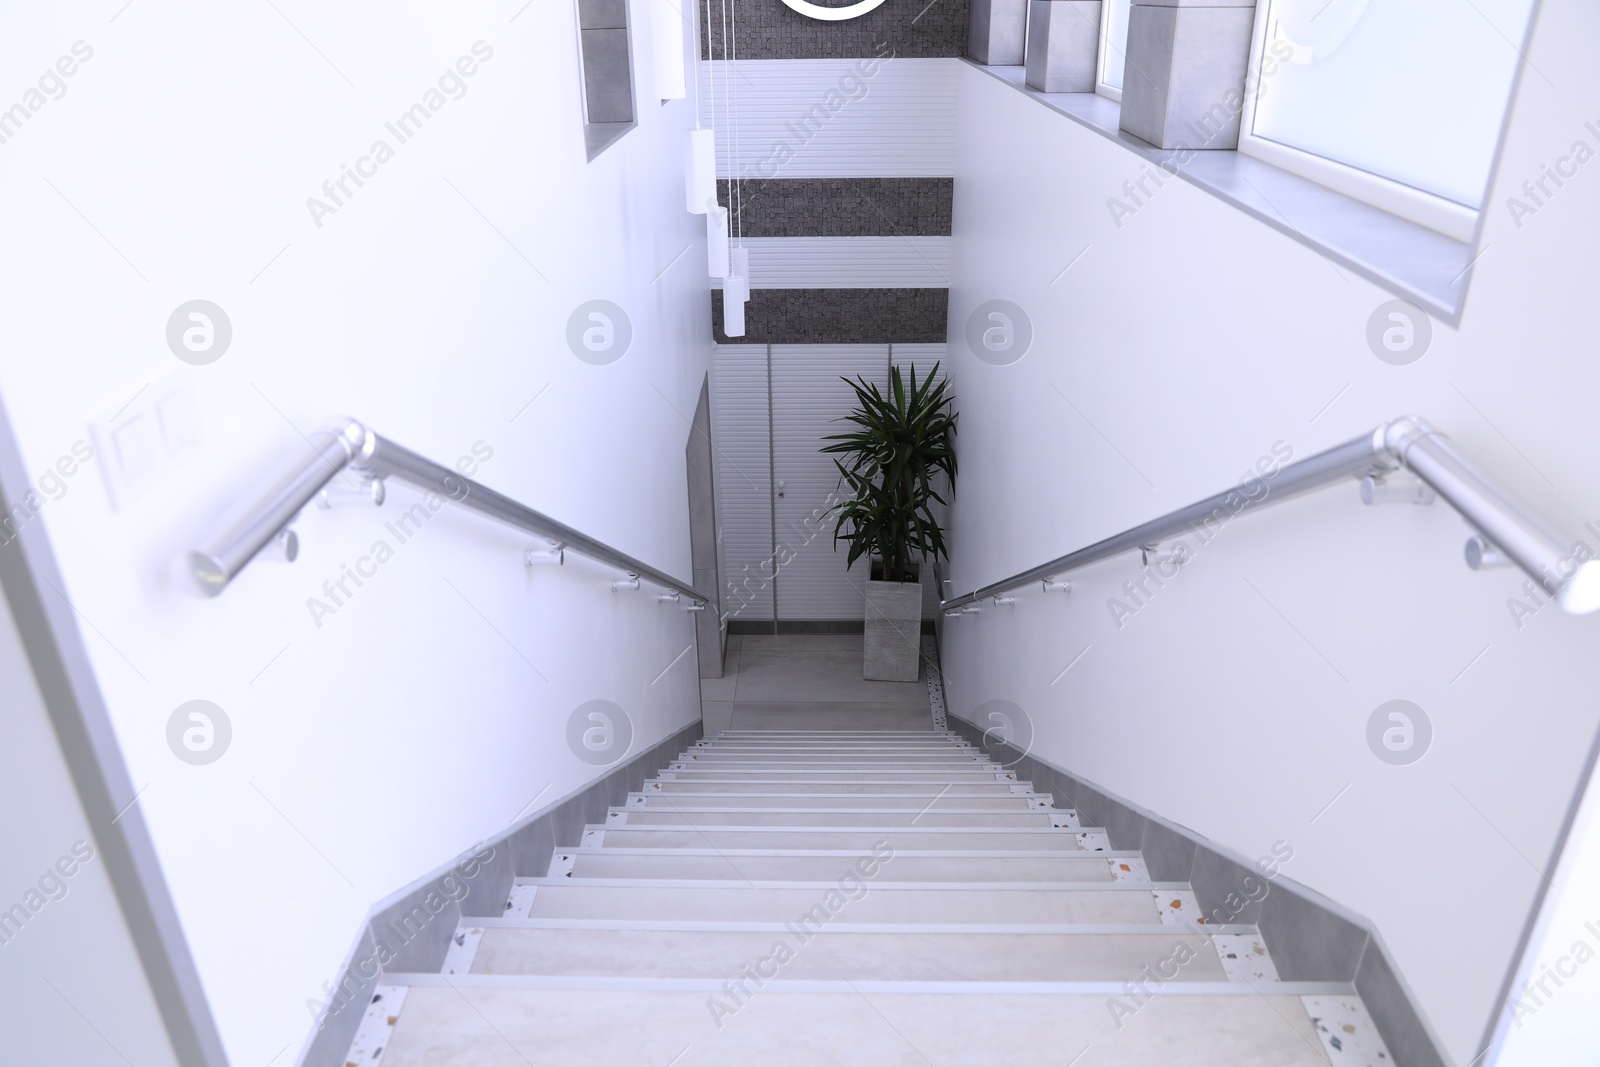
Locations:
column 140, row 442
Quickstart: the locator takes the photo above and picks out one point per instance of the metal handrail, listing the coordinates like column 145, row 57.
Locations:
column 1408, row 443
column 349, row 444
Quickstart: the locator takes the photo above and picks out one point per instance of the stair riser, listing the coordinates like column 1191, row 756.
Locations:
column 874, row 820
column 867, row 774
column 830, row 869
column 744, row 904
column 903, row 839
column 932, row 802
column 687, row 786
column 821, row 954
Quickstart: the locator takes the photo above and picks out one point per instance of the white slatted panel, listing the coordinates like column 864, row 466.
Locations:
column 807, row 395
column 848, row 263
column 820, row 118
column 744, row 487
column 923, row 357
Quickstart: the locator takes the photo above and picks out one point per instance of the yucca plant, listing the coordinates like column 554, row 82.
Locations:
column 889, row 462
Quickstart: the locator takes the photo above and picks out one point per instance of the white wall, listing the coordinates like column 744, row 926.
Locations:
column 67, row 962
column 1550, row 1021
column 1189, row 341
column 375, row 748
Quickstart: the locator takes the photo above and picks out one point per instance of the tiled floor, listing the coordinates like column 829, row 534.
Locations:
column 806, row 681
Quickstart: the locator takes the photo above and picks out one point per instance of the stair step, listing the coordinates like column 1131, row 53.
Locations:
column 485, row 1026
column 833, row 759
column 854, row 761
column 944, row 776
column 832, row 735
column 831, row 867
column 883, row 819
column 822, row 953
column 858, row 802
column 1006, row 801
column 572, row 899
column 836, row 746
column 878, row 788
column 830, row 838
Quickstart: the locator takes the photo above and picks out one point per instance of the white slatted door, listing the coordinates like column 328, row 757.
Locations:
column 741, row 434
column 807, row 396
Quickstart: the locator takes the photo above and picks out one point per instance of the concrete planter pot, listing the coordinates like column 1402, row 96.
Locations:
column 997, row 31
column 893, row 639
column 1185, row 82
column 1063, row 45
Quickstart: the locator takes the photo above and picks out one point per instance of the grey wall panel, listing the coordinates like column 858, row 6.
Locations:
column 839, row 316
column 773, row 31
column 843, row 207
column 742, row 435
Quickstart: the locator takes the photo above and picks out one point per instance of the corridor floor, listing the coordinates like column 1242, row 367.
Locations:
column 807, row 682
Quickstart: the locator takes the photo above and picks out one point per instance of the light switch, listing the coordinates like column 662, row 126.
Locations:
column 140, row 442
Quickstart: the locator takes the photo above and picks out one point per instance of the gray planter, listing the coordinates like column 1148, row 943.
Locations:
column 893, row 643
column 1185, row 80
column 1063, row 45
column 996, row 32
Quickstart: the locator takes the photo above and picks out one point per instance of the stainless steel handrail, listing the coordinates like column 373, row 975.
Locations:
column 349, row 444
column 1407, row 443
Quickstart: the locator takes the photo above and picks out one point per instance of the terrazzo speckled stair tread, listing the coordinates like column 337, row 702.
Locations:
column 830, row 867
column 805, row 753
column 844, row 744
column 838, row 747
column 445, row 1027
column 886, row 820
column 573, row 899
column 822, row 953
column 831, row 838
column 764, row 764
column 942, row 776
column 1003, row 801
column 838, row 788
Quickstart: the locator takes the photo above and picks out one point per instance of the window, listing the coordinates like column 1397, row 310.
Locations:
column 1113, row 45
column 607, row 63
column 1398, row 103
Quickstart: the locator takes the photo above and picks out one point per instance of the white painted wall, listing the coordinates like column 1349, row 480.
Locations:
column 1171, row 357
column 1550, row 1020
column 67, row 963
column 430, row 711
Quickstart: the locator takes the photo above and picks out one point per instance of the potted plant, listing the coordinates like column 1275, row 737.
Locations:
column 888, row 466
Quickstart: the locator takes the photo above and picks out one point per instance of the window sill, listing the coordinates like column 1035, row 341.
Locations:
column 1414, row 262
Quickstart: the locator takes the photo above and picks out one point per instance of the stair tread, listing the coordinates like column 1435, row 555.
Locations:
column 824, row 954
column 490, row 1027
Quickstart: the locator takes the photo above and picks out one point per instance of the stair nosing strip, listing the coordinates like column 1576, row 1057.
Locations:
column 779, row 985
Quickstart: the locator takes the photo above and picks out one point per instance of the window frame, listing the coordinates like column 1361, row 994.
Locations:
column 1101, row 86
column 601, row 135
column 1455, row 220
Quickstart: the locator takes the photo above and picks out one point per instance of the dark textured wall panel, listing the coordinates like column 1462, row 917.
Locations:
column 843, row 207
column 838, row 316
column 909, row 29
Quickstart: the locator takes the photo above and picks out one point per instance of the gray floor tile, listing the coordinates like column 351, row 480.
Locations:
column 829, row 715
column 820, row 675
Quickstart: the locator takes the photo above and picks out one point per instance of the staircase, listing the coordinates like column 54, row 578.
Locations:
column 884, row 897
